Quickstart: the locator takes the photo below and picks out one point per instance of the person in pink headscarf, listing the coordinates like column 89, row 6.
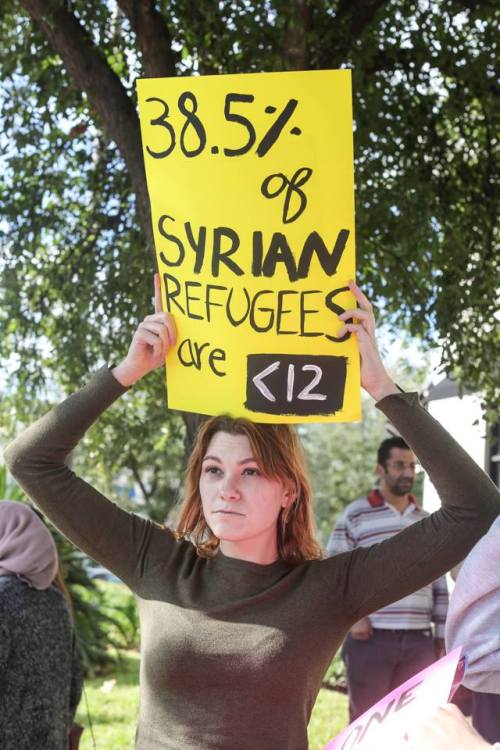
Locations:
column 40, row 674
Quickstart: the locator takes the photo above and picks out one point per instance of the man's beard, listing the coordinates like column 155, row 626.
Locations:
column 402, row 487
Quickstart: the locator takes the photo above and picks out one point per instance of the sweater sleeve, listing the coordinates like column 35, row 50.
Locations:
column 383, row 573
column 113, row 537
column 474, row 614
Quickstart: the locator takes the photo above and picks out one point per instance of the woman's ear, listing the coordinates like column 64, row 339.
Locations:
column 289, row 495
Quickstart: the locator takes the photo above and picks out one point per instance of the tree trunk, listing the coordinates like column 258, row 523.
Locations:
column 106, row 94
column 296, row 46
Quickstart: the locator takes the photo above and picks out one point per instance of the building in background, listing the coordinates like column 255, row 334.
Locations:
column 462, row 416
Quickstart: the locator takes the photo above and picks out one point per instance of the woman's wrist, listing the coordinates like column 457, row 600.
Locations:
column 386, row 387
column 125, row 375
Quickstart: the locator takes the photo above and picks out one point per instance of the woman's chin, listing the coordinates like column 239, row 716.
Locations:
column 228, row 531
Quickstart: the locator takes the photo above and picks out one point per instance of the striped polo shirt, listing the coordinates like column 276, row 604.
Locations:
column 369, row 520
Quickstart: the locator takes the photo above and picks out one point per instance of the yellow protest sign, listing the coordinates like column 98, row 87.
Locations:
column 251, row 185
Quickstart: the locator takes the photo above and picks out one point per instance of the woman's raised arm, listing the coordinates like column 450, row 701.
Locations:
column 390, row 570
column 36, row 459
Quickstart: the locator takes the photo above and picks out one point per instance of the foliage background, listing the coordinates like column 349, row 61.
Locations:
column 75, row 230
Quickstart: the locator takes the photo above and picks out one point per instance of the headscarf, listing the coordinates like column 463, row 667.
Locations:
column 27, row 549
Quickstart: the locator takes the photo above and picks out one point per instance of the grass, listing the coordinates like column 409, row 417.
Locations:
column 114, row 706
column 329, row 717
column 113, row 703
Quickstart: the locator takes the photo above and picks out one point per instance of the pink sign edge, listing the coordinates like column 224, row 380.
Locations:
column 444, row 661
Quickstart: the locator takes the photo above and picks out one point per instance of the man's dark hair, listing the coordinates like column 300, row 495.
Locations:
column 385, row 447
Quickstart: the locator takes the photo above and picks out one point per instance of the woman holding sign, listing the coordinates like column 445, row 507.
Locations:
column 240, row 615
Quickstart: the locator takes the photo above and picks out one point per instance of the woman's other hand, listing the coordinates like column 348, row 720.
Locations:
column 150, row 343
column 374, row 377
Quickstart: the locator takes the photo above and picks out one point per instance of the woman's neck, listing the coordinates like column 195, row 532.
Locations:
column 251, row 550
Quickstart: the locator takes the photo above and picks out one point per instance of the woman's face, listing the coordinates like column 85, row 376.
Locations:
column 240, row 504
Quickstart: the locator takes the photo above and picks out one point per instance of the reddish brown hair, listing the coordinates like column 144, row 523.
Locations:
column 278, row 454
column 60, row 583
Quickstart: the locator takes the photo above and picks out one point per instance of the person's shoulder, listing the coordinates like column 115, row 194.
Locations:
column 8, row 585
column 9, row 582
column 164, row 539
column 420, row 512
column 55, row 596
column 11, row 588
column 18, row 597
column 166, row 550
column 354, row 508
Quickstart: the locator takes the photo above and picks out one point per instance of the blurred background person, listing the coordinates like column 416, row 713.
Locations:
column 40, row 673
column 391, row 645
column 474, row 623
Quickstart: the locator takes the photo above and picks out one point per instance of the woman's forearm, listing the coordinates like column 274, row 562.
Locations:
column 50, row 439
column 459, row 481
column 37, row 461
column 418, row 555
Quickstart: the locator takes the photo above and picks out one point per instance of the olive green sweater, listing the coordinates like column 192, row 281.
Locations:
column 233, row 653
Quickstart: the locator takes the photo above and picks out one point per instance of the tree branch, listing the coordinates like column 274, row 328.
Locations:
column 296, row 46
column 351, row 20
column 132, row 463
column 152, row 35
column 106, row 94
column 357, row 14
column 192, row 422
column 204, row 21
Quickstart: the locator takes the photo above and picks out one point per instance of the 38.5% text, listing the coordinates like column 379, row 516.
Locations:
column 193, row 135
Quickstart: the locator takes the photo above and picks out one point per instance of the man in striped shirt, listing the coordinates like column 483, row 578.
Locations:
column 386, row 648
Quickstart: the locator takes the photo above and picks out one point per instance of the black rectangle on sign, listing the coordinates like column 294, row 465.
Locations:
column 295, row 384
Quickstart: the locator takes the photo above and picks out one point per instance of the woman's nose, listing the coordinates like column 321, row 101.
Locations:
column 229, row 490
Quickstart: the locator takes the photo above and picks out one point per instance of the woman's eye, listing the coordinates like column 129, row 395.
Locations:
column 252, row 471
column 212, row 470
